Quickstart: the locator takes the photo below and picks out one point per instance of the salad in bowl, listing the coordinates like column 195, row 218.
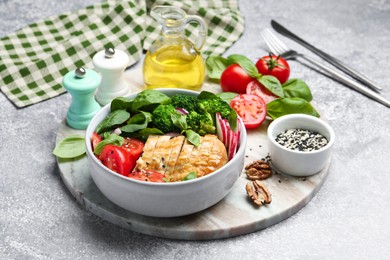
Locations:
column 167, row 152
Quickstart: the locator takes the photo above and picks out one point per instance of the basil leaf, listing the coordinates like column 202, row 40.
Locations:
column 137, row 122
column 179, row 120
column 284, row 106
column 148, row 100
column 297, row 88
column 115, row 118
column 227, row 96
column 70, row 147
column 190, row 176
column 193, row 137
column 215, row 65
column 272, row 84
column 233, row 120
column 111, row 139
column 245, row 63
column 121, row 103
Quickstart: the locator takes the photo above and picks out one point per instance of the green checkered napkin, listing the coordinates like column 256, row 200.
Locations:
column 33, row 60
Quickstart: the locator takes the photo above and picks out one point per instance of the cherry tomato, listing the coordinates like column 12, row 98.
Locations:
column 95, row 139
column 117, row 159
column 275, row 66
column 256, row 88
column 133, row 146
column 234, row 79
column 147, row 175
column 250, row 108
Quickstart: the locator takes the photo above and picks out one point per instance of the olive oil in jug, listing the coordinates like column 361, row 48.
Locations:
column 173, row 61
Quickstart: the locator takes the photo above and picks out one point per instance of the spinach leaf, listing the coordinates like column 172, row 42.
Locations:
column 284, row 106
column 193, row 137
column 115, row 118
column 144, row 133
column 111, row 139
column 70, row 147
column 215, row 65
column 297, row 88
column 206, row 95
column 105, row 135
column 137, row 122
column 121, row 103
column 147, row 100
column 272, row 84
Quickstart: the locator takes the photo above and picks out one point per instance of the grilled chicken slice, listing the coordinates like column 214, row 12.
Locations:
column 144, row 160
column 177, row 144
column 160, row 153
column 176, row 157
column 209, row 156
column 217, row 158
column 182, row 161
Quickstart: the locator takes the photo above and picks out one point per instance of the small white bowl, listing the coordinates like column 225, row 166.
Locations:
column 299, row 163
column 164, row 199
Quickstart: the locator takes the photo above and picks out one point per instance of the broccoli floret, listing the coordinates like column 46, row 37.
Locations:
column 214, row 105
column 200, row 117
column 162, row 118
column 189, row 103
column 201, row 123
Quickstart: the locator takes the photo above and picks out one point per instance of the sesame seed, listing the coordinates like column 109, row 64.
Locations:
column 301, row 140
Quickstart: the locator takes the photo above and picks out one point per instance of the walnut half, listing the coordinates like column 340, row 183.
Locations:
column 258, row 192
column 258, row 170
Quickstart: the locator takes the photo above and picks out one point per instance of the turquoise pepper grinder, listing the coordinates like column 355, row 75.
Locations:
column 81, row 84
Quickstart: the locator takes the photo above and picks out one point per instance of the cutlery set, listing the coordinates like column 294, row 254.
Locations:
column 362, row 83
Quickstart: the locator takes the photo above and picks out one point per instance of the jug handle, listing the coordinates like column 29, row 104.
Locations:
column 202, row 30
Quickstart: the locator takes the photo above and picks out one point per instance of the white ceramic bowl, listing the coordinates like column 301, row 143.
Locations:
column 164, row 199
column 299, row 163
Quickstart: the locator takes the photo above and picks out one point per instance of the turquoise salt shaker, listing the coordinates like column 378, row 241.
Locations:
column 81, row 84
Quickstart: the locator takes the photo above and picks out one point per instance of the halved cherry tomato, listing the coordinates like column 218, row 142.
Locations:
column 95, row 139
column 256, row 88
column 147, row 175
column 250, row 108
column 117, row 159
column 133, row 146
column 275, row 66
column 234, row 79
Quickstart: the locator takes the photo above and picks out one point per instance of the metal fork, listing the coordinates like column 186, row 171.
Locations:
column 279, row 48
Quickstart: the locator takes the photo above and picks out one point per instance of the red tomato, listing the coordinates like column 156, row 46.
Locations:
column 134, row 146
column 256, row 88
column 95, row 139
column 147, row 175
column 234, row 79
column 275, row 66
column 250, row 108
column 117, row 159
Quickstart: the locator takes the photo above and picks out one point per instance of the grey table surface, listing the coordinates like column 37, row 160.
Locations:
column 349, row 218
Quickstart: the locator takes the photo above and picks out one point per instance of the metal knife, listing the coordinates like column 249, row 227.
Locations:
column 332, row 60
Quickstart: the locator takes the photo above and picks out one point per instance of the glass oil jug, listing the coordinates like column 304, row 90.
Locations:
column 173, row 60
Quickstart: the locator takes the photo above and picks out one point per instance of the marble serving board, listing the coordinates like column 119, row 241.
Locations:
column 234, row 215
